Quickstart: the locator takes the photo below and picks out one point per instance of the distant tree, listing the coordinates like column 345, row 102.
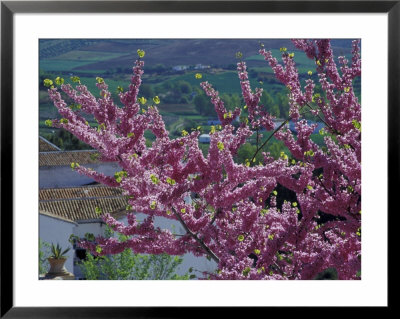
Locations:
column 231, row 101
column 266, row 99
column 283, row 104
column 274, row 110
column 147, row 91
column 236, row 101
column 185, row 87
column 159, row 68
column 245, row 153
column 66, row 141
column 276, row 148
column 167, row 85
column 226, row 98
column 184, row 100
column 203, row 105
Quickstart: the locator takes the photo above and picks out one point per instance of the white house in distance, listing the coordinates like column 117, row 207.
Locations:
column 204, row 138
column 68, row 201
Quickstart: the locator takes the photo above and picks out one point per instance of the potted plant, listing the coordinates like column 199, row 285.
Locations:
column 57, row 260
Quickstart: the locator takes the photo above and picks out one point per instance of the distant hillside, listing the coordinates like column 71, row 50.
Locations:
column 106, row 54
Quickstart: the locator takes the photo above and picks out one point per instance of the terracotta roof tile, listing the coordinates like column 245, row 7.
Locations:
column 65, row 158
column 78, row 192
column 46, row 146
column 79, row 203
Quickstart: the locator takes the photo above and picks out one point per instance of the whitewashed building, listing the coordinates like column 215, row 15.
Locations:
column 68, row 201
column 78, row 205
column 204, row 138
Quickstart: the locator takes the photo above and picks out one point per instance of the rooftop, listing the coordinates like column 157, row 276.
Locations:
column 46, row 146
column 79, row 203
column 65, row 158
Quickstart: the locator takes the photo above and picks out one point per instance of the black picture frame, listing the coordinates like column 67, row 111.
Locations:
column 9, row 8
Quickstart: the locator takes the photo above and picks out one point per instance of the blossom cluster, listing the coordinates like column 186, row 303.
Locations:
column 235, row 216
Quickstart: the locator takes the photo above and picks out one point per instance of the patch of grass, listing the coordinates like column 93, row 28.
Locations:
column 177, row 109
column 60, row 65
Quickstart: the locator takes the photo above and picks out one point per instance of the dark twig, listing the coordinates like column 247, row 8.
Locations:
column 200, row 241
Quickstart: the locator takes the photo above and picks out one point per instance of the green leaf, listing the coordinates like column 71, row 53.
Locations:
column 153, row 204
column 356, row 124
column 47, row 82
column 59, row 81
column 140, row 53
column 184, row 133
column 75, row 79
column 246, row 271
column 156, row 100
column 154, row 179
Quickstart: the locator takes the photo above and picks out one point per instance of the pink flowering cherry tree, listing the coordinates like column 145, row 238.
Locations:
column 234, row 217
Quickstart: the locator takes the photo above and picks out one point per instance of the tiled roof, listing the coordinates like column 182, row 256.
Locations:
column 65, row 158
column 79, row 192
column 79, row 203
column 46, row 146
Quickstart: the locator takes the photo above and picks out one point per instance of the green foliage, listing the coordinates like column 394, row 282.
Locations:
column 231, row 101
column 275, row 148
column 147, row 91
column 65, row 140
column 246, row 152
column 203, row 105
column 184, row 87
column 130, row 266
column 44, row 253
column 57, row 252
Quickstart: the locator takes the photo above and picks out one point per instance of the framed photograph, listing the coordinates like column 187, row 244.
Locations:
column 191, row 49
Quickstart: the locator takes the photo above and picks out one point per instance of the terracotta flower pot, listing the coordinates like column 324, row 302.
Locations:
column 57, row 266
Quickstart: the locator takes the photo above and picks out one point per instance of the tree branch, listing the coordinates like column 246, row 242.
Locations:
column 200, row 241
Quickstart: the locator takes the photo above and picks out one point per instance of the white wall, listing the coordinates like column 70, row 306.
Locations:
column 95, row 228
column 53, row 230
column 64, row 176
